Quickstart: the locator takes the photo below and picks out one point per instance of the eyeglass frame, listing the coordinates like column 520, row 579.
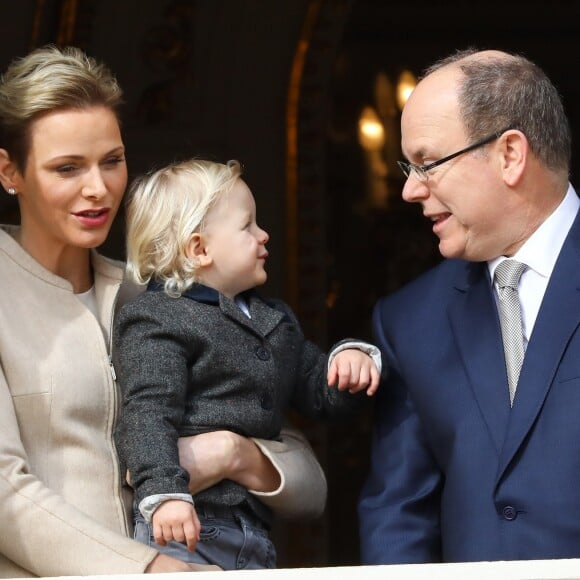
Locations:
column 420, row 171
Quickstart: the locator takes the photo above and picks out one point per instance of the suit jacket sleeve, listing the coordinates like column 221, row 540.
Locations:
column 312, row 395
column 400, row 501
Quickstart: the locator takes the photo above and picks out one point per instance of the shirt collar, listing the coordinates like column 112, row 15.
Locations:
column 541, row 250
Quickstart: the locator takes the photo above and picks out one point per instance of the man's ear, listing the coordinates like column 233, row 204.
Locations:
column 196, row 250
column 9, row 174
column 515, row 151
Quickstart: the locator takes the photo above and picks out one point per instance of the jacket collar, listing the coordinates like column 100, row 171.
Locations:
column 199, row 292
column 102, row 266
column 265, row 314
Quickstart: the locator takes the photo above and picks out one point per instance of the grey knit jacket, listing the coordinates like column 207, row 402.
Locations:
column 197, row 363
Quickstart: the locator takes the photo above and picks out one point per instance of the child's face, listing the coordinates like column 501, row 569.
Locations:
column 235, row 244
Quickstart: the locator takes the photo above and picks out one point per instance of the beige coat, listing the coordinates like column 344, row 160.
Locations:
column 63, row 510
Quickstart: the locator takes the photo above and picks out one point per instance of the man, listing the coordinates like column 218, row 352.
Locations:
column 462, row 468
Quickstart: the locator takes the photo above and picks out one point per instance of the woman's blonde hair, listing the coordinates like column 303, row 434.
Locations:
column 46, row 80
column 164, row 209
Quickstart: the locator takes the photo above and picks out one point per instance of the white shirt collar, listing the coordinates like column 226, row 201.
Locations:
column 542, row 248
column 241, row 302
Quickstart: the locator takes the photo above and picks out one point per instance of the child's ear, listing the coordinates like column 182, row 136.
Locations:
column 196, row 250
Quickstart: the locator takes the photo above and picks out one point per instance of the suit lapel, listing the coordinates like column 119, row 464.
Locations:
column 475, row 324
column 557, row 320
column 264, row 319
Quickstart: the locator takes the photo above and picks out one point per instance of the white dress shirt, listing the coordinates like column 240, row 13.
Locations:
column 540, row 253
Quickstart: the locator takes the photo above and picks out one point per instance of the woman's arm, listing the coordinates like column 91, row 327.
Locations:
column 285, row 474
column 211, row 457
column 303, row 488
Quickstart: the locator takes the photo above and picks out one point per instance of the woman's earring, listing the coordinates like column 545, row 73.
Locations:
column 11, row 191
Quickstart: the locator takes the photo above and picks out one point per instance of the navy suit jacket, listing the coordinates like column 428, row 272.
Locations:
column 456, row 474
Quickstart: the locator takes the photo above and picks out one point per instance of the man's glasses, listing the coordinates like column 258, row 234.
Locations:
column 420, row 171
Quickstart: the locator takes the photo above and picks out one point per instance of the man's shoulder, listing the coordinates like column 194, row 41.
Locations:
column 444, row 274
column 431, row 288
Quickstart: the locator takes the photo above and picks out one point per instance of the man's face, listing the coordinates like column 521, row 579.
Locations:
column 465, row 198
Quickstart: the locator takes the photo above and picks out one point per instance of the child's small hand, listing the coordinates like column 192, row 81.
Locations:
column 176, row 520
column 355, row 371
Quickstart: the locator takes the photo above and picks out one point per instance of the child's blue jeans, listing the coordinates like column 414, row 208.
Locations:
column 228, row 539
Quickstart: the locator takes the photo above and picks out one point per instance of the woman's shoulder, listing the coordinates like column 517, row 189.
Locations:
column 108, row 266
column 11, row 249
column 17, row 265
column 8, row 230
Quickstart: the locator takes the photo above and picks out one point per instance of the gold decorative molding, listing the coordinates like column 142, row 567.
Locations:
column 62, row 22
column 306, row 118
column 292, row 120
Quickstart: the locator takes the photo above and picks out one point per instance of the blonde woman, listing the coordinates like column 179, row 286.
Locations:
column 64, row 505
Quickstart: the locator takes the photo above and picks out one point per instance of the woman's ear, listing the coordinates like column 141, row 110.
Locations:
column 9, row 174
column 196, row 250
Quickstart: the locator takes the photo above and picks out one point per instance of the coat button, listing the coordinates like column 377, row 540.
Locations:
column 262, row 353
column 509, row 513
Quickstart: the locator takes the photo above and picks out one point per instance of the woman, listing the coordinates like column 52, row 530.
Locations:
column 64, row 507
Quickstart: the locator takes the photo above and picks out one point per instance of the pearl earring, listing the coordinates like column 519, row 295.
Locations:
column 11, row 191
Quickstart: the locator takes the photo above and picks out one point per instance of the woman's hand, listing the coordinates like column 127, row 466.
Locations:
column 211, row 457
column 285, row 474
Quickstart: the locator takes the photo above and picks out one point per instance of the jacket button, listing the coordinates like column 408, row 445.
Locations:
column 266, row 402
column 262, row 353
column 509, row 513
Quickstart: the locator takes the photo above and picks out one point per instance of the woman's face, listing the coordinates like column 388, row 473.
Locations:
column 74, row 180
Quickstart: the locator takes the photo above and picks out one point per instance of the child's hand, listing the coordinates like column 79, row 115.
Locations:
column 354, row 370
column 176, row 520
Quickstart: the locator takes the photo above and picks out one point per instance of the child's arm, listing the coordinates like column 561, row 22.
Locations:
column 151, row 358
column 176, row 520
column 353, row 370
